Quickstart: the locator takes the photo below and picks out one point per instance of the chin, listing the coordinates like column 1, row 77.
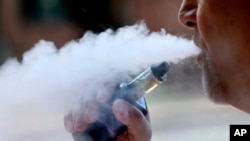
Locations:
column 212, row 86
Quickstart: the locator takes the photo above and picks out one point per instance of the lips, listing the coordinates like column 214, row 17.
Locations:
column 201, row 58
column 200, row 43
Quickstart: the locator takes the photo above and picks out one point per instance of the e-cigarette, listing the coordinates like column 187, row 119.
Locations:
column 108, row 128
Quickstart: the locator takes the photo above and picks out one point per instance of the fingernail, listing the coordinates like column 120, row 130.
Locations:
column 79, row 123
column 121, row 110
column 80, row 126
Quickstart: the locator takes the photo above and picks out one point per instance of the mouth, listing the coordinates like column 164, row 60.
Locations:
column 201, row 59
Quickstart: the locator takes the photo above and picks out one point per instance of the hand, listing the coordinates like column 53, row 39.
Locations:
column 87, row 110
column 139, row 128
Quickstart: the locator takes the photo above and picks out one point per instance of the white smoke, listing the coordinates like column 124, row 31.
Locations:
column 35, row 93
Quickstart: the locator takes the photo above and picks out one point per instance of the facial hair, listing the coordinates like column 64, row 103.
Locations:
column 212, row 86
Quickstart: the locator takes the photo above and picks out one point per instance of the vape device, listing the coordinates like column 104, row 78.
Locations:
column 108, row 128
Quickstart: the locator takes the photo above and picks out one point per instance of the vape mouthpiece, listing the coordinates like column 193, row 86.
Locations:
column 160, row 71
column 149, row 79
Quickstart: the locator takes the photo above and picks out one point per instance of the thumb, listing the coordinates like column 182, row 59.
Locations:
column 138, row 126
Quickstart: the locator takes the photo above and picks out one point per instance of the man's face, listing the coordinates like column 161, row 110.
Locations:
column 223, row 33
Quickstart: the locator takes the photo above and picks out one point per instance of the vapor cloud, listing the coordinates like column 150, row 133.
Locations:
column 36, row 92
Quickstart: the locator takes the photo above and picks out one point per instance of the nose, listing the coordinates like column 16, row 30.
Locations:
column 187, row 13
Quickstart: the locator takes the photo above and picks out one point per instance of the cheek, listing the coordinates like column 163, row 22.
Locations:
column 213, row 33
column 217, row 37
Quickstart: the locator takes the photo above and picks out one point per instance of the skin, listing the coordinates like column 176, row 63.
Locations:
column 221, row 29
column 222, row 32
column 138, row 125
column 87, row 112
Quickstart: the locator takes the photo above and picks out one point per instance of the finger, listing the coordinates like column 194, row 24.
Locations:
column 72, row 126
column 123, row 137
column 138, row 125
column 89, row 113
column 80, row 126
column 68, row 123
column 81, row 114
column 105, row 92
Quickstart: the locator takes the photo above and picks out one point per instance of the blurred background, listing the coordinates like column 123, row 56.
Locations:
column 179, row 110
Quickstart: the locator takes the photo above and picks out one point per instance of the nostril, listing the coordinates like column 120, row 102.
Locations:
column 190, row 24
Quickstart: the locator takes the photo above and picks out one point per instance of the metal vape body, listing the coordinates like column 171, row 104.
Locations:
column 108, row 128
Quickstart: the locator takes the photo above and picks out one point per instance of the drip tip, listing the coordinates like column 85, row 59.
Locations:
column 160, row 71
